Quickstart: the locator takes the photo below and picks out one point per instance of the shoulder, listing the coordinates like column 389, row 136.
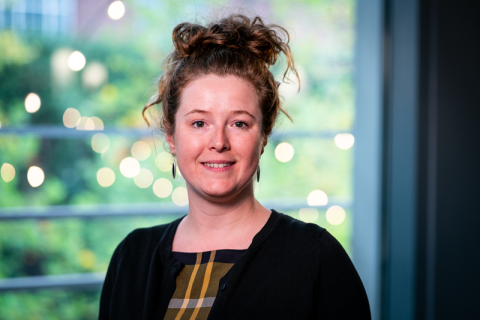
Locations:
column 310, row 237
column 293, row 238
column 143, row 241
column 296, row 230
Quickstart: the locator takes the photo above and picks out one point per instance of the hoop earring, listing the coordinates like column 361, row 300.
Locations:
column 258, row 174
column 174, row 168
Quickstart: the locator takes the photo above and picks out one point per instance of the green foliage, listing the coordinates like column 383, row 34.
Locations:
column 13, row 51
column 322, row 39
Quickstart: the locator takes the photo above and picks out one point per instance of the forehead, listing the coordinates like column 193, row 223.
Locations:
column 218, row 94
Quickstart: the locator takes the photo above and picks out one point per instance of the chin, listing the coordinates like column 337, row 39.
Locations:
column 220, row 190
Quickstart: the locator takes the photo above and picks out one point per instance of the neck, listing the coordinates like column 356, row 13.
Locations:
column 229, row 223
column 217, row 214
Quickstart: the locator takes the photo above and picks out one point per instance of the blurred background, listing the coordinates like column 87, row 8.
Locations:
column 80, row 168
column 383, row 151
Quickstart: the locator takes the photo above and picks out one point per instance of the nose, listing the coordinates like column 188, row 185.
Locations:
column 219, row 141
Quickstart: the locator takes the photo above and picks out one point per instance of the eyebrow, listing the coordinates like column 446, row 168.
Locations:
column 243, row 112
column 196, row 111
column 234, row 112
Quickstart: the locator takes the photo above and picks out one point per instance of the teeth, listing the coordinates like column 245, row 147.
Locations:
column 217, row 165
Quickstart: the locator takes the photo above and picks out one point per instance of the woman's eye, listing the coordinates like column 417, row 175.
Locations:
column 199, row 124
column 240, row 124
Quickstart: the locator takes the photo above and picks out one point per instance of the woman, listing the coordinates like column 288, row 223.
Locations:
column 230, row 257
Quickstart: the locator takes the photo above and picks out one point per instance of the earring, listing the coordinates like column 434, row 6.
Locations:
column 258, row 174
column 174, row 168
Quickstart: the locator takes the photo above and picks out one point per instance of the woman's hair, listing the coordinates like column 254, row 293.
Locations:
column 236, row 46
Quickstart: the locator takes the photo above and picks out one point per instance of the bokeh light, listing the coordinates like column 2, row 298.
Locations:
column 94, row 75
column 129, row 167
column 284, row 152
column 335, row 215
column 100, row 142
column 62, row 75
column 164, row 161
column 76, row 61
column 89, row 124
column 116, row 10
column 105, row 177
column 317, row 198
column 32, row 102
column 81, row 123
column 87, row 258
column 144, row 178
column 344, row 140
column 7, row 172
column 141, row 150
column 97, row 123
column 162, row 188
column 180, row 196
column 71, row 118
column 308, row 214
column 35, row 176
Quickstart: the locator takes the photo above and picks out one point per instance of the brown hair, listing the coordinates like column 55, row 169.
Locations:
column 235, row 45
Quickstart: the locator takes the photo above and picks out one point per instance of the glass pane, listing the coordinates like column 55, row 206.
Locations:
column 127, row 169
column 50, row 304
column 73, row 142
column 64, row 246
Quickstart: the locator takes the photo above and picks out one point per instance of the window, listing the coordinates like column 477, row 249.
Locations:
column 80, row 169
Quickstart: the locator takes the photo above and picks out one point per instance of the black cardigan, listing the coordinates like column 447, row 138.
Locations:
column 292, row 270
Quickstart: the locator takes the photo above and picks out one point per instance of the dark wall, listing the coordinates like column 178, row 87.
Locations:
column 449, row 176
column 431, row 188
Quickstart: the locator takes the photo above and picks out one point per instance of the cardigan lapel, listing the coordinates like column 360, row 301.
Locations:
column 234, row 274
column 161, row 275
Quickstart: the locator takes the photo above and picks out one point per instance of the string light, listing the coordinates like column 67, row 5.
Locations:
column 71, row 118
column 284, row 152
column 100, row 142
column 141, row 150
column 129, row 167
column 76, row 61
column 105, row 177
column 144, row 178
column 94, row 75
column 32, row 102
column 116, row 10
column 162, row 188
column 180, row 196
column 308, row 214
column 317, row 198
column 335, row 215
column 164, row 161
column 344, row 141
column 35, row 176
column 7, row 172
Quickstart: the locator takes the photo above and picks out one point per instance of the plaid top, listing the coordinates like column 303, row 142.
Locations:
column 197, row 283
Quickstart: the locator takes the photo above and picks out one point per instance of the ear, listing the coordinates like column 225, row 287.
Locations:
column 265, row 141
column 171, row 143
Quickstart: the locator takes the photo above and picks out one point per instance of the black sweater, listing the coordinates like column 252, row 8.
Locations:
column 292, row 270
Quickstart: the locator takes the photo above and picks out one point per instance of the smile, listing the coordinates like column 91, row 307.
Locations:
column 217, row 165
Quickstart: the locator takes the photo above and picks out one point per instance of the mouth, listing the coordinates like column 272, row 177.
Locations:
column 218, row 165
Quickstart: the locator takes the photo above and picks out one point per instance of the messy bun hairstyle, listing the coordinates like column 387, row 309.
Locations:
column 236, row 46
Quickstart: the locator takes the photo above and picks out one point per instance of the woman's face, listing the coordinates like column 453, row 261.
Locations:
column 218, row 136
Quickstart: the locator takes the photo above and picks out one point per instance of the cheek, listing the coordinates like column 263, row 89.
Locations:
column 188, row 148
column 249, row 147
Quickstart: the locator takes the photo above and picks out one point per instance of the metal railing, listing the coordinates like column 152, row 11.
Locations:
column 61, row 132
